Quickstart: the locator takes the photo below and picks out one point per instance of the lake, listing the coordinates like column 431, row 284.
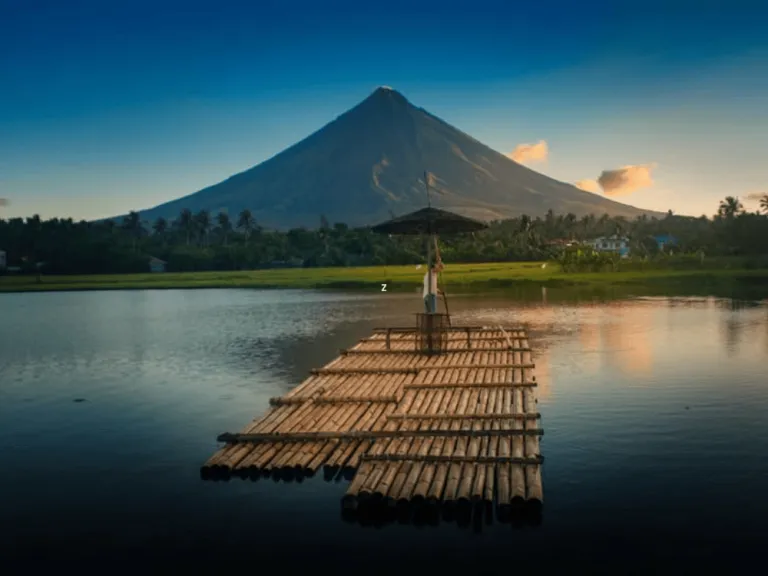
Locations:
column 654, row 412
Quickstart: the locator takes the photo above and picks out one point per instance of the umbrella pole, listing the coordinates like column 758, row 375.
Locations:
column 445, row 299
column 445, row 296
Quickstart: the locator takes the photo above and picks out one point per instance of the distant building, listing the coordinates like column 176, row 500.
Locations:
column 157, row 265
column 618, row 244
column 665, row 241
column 3, row 261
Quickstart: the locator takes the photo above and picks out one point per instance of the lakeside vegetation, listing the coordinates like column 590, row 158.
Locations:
column 61, row 254
column 456, row 278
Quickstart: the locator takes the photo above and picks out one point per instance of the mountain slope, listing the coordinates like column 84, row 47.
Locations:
column 370, row 162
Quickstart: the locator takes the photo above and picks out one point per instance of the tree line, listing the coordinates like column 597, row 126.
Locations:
column 203, row 241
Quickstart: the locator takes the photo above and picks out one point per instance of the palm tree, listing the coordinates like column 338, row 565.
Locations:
column 729, row 208
column 764, row 203
column 132, row 225
column 525, row 223
column 203, row 223
column 186, row 222
column 160, row 226
column 225, row 225
column 247, row 223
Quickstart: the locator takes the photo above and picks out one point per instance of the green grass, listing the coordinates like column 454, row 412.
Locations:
column 456, row 278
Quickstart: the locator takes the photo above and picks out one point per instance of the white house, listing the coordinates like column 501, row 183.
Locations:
column 157, row 265
column 619, row 244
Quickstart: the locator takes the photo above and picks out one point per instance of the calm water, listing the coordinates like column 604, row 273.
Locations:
column 654, row 410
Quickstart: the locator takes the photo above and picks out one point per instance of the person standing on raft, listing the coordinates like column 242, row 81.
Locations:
column 430, row 282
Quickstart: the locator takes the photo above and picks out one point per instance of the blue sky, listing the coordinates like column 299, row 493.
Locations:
column 112, row 106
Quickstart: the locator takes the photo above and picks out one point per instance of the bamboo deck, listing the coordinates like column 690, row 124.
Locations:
column 459, row 427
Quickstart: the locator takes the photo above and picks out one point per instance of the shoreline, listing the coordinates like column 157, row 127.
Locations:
column 462, row 278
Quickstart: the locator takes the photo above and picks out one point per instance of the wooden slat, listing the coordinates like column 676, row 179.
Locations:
column 282, row 401
column 484, row 384
column 454, row 337
column 401, row 329
column 341, row 399
column 324, row 371
column 441, row 458
column 474, row 366
column 442, row 352
column 367, row 435
column 407, row 416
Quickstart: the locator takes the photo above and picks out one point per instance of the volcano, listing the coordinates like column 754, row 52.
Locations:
column 369, row 164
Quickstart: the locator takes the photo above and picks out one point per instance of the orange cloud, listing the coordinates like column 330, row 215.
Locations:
column 588, row 186
column 626, row 180
column 530, row 152
column 755, row 196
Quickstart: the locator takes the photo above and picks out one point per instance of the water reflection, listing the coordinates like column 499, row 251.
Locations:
column 652, row 408
column 477, row 517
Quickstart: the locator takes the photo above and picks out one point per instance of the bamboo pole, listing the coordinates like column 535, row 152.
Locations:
column 534, row 492
column 390, row 470
column 468, row 366
column 489, row 384
column 403, row 449
column 405, row 351
column 459, row 449
column 350, row 497
column 334, row 416
column 491, row 416
column 336, row 420
column 517, row 489
column 436, row 490
column 429, row 471
column 420, row 467
column 476, row 445
column 406, row 329
column 364, row 371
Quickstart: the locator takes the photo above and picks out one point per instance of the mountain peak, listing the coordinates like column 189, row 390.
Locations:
column 388, row 92
column 370, row 162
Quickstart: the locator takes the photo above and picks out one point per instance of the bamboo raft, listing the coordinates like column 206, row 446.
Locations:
column 459, row 427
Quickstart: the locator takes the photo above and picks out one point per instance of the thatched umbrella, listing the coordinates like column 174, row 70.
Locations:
column 430, row 221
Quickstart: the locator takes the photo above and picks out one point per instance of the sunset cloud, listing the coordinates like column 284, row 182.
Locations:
column 4, row 202
column 755, row 196
column 530, row 152
column 626, row 180
column 588, row 186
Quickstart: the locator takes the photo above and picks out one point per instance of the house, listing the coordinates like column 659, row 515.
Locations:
column 619, row 244
column 665, row 241
column 157, row 265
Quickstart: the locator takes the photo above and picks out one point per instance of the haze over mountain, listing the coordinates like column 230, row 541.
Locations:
column 369, row 163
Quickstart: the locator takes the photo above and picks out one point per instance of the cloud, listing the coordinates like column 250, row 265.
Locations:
column 588, row 186
column 4, row 202
column 755, row 196
column 530, row 152
column 626, row 179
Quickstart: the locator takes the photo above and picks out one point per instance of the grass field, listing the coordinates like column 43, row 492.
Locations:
column 456, row 278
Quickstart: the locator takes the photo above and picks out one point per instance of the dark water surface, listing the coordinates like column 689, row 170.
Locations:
column 655, row 414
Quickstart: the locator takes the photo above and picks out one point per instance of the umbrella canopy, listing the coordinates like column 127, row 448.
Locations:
column 429, row 221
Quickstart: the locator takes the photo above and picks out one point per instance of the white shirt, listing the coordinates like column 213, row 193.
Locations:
column 433, row 276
